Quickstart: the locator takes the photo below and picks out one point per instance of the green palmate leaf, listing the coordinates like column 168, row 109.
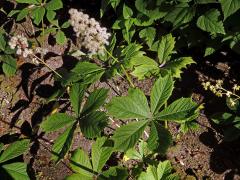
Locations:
column 9, row 64
column 80, row 163
column 95, row 100
column 38, row 14
column 179, row 110
column 22, row 14
column 209, row 22
column 154, row 12
column 161, row 91
column 14, row 150
column 76, row 95
column 127, row 11
column 209, row 51
column 148, row 34
column 28, row 1
column 142, row 152
column 181, row 14
column 159, row 139
column 16, row 170
column 164, row 169
column 165, row 48
column 78, row 177
column 60, row 37
column 85, row 68
column 161, row 172
column 51, row 15
column 101, row 151
column 132, row 154
column 144, row 67
column 54, row 5
column 63, row 143
column 114, row 173
column 229, row 7
column 175, row 66
column 2, row 42
column 134, row 105
column 127, row 136
column 93, row 123
column 143, row 71
column 57, row 121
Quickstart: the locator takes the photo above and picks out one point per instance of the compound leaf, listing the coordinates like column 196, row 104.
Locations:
column 56, row 121
column 93, row 123
column 209, row 22
column 14, row 150
column 127, row 136
column 229, row 7
column 16, row 170
column 101, row 151
column 179, row 110
column 161, row 91
column 134, row 105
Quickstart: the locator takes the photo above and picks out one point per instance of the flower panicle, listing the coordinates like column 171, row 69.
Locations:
column 220, row 91
column 92, row 36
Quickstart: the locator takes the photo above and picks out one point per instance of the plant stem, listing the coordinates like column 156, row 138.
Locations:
column 123, row 68
column 39, row 59
column 165, row 122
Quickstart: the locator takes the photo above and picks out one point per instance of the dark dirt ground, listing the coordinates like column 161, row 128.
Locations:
column 200, row 154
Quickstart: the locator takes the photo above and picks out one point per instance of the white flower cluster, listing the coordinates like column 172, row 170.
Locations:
column 93, row 37
column 22, row 48
column 20, row 42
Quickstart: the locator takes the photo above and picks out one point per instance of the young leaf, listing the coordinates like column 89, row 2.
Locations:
column 209, row 22
column 175, row 66
column 2, row 42
column 134, row 105
column 162, row 171
column 9, row 65
column 80, row 163
column 85, row 68
column 229, row 7
column 14, row 150
column 76, row 95
column 60, row 37
column 101, row 151
column 127, row 136
column 38, row 14
column 95, row 100
column 148, row 34
column 51, row 15
column 114, row 173
column 159, row 139
column 143, row 67
column 57, row 121
column 16, row 170
column 179, row 110
column 165, row 48
column 54, row 5
column 127, row 11
column 182, row 13
column 161, row 91
column 93, row 123
column 22, row 14
column 63, row 143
